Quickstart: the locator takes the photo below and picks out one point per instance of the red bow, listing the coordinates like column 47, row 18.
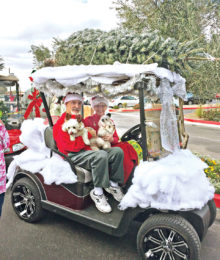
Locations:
column 36, row 103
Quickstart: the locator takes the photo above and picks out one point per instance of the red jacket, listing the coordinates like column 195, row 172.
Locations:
column 64, row 144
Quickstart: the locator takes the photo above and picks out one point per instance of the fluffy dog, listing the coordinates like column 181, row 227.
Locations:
column 106, row 127
column 75, row 128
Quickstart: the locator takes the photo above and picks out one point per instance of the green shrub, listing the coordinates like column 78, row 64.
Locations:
column 137, row 106
column 199, row 112
column 115, row 107
column 213, row 172
column 124, row 105
column 216, row 185
column 212, row 114
column 4, row 110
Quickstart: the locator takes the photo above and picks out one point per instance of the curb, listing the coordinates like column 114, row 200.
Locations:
column 202, row 121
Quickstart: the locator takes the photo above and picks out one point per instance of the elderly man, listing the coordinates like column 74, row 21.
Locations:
column 106, row 166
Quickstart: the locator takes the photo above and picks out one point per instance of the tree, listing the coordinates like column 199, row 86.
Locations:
column 40, row 54
column 1, row 63
column 99, row 47
column 197, row 21
column 180, row 19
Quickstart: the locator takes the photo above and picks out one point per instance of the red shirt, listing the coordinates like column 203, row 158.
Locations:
column 92, row 121
column 64, row 144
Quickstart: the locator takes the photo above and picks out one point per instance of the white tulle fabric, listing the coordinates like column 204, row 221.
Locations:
column 37, row 157
column 168, row 121
column 176, row 182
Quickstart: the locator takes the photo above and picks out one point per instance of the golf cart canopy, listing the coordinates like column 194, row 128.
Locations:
column 109, row 80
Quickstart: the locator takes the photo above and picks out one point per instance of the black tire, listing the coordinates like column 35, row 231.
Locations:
column 212, row 208
column 168, row 237
column 120, row 105
column 26, row 200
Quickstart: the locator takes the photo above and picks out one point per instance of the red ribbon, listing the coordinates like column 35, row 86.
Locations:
column 36, row 103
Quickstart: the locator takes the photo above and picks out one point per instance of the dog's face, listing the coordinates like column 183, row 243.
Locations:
column 106, row 123
column 72, row 126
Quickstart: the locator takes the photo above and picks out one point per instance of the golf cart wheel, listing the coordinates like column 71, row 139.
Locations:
column 168, row 237
column 26, row 200
column 212, row 208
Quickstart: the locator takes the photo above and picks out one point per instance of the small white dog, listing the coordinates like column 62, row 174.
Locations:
column 106, row 127
column 75, row 128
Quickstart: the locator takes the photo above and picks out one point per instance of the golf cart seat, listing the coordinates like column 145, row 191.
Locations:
column 83, row 176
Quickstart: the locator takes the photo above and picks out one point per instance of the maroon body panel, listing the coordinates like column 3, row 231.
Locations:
column 64, row 197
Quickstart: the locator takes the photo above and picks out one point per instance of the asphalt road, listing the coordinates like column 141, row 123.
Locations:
column 57, row 238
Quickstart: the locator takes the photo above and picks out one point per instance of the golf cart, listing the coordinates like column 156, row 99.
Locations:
column 12, row 117
column 164, row 233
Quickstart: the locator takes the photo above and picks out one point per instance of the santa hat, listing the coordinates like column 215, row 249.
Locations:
column 97, row 100
column 73, row 96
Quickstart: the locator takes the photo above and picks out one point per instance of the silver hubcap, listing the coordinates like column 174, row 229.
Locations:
column 165, row 244
column 23, row 201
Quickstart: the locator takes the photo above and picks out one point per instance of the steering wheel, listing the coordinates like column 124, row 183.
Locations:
column 132, row 134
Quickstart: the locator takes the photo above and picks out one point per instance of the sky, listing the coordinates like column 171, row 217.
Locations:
column 27, row 22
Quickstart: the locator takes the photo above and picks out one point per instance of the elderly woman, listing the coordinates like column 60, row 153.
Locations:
column 100, row 105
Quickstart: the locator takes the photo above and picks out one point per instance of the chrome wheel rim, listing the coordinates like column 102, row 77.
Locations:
column 23, row 201
column 165, row 244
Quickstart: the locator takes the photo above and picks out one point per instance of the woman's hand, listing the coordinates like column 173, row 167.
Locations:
column 108, row 138
column 1, row 122
column 91, row 131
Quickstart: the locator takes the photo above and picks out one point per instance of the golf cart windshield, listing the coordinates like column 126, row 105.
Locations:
column 10, row 103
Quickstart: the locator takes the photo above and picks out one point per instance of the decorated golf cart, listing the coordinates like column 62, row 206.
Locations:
column 169, row 193
column 10, row 112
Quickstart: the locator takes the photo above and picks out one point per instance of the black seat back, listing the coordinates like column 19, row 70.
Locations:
column 48, row 137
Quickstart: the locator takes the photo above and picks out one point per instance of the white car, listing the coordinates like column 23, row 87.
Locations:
column 129, row 100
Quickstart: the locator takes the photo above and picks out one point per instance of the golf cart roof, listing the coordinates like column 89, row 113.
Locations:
column 10, row 80
column 110, row 80
column 10, row 77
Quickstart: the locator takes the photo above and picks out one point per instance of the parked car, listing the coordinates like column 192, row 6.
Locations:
column 129, row 100
column 192, row 99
